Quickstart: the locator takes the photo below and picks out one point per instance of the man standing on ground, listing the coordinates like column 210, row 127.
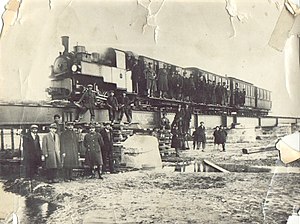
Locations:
column 94, row 144
column 69, row 151
column 108, row 147
column 223, row 137
column 51, row 153
column 31, row 152
column 200, row 136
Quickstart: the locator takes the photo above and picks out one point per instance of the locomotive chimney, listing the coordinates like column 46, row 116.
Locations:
column 65, row 43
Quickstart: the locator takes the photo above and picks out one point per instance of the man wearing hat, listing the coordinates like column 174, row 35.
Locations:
column 125, row 107
column 94, row 144
column 69, row 151
column 112, row 104
column 200, row 136
column 31, row 152
column 162, row 81
column 88, row 99
column 151, row 78
column 51, row 153
column 108, row 147
column 164, row 121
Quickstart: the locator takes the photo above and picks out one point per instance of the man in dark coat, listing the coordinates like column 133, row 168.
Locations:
column 162, row 82
column 172, row 84
column 93, row 142
column 185, row 86
column 164, row 122
column 69, row 151
column 217, row 137
column 209, row 92
column 125, row 107
column 219, row 94
column 112, row 104
column 51, row 153
column 107, row 136
column 178, row 79
column 151, row 78
column 186, row 119
column 31, row 152
column 136, row 73
column 200, row 136
column 213, row 89
column 88, row 99
column 201, row 89
column 223, row 137
column 178, row 119
column 177, row 139
column 224, row 94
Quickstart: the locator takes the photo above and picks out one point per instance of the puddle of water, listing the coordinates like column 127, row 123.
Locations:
column 201, row 166
column 190, row 167
column 27, row 210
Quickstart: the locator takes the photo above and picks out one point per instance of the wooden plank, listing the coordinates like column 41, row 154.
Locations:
column 215, row 166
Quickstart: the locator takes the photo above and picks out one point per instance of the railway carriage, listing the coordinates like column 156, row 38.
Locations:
column 263, row 100
column 240, row 85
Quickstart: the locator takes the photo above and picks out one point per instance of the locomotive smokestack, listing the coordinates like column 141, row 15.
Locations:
column 65, row 43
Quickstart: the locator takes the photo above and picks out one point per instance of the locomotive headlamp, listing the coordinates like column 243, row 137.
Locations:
column 75, row 68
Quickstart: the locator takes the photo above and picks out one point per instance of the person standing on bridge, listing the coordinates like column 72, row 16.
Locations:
column 125, row 107
column 163, row 86
column 112, row 104
column 151, row 78
column 31, row 152
column 88, row 99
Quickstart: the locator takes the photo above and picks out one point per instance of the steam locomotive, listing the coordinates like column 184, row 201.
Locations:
column 73, row 70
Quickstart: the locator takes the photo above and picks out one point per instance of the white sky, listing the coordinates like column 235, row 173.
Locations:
column 190, row 33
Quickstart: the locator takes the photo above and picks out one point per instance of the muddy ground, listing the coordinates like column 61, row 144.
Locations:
column 172, row 197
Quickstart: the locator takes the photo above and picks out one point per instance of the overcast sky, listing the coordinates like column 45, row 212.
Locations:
column 188, row 33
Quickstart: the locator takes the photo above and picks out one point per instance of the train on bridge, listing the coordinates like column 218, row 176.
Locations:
column 112, row 70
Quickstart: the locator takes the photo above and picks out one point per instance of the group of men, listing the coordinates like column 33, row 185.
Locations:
column 166, row 82
column 62, row 148
column 180, row 128
column 116, row 107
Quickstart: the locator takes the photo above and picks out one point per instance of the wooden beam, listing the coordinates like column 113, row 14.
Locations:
column 215, row 166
